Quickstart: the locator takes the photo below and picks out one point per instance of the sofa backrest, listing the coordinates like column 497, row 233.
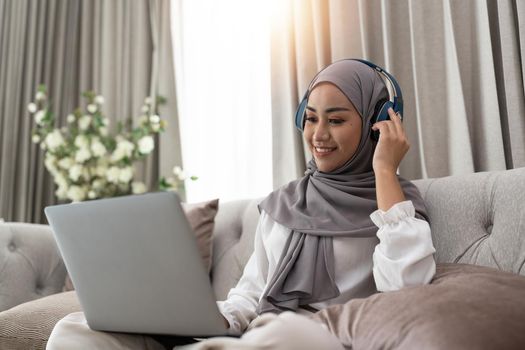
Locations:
column 30, row 264
column 476, row 219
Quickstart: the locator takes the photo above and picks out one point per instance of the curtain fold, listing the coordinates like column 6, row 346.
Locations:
column 119, row 49
column 459, row 64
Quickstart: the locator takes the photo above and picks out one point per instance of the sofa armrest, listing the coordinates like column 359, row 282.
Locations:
column 30, row 264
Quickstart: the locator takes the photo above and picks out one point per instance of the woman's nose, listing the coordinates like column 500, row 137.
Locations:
column 321, row 132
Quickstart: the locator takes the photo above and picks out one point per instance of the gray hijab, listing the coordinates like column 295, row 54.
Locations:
column 320, row 206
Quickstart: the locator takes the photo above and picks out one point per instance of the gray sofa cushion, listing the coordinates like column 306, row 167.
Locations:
column 478, row 218
column 233, row 236
column 30, row 264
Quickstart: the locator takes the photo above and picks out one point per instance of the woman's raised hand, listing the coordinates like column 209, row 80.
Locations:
column 392, row 145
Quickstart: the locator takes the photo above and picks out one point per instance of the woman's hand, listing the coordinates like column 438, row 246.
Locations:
column 391, row 148
column 392, row 145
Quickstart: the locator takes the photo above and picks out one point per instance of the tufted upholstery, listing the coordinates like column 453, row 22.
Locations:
column 233, row 236
column 477, row 218
column 30, row 264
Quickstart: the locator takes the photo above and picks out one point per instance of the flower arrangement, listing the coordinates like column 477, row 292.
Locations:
column 86, row 161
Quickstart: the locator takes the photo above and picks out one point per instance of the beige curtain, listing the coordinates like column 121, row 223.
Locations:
column 459, row 64
column 121, row 49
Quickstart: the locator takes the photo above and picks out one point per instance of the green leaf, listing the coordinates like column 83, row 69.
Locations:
column 161, row 100
column 163, row 184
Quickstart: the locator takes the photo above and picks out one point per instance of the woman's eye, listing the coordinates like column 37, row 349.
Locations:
column 336, row 121
column 311, row 119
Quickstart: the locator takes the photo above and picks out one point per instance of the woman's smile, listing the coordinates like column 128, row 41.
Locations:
column 323, row 151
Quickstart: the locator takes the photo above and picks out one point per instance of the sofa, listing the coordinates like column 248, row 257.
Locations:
column 476, row 219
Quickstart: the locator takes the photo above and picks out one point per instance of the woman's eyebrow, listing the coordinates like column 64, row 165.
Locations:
column 330, row 110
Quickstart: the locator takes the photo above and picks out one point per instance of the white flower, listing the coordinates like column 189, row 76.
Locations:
column 103, row 131
column 154, row 119
column 145, row 109
column 101, row 170
column 82, row 155
column 60, row 180
column 81, row 141
column 92, row 194
column 126, row 174
column 50, row 163
column 105, row 121
column 61, row 192
column 99, row 99
column 124, row 149
column 179, row 173
column 172, row 182
column 66, row 163
column 113, row 174
column 138, row 187
column 76, row 193
column 71, row 118
column 155, row 127
column 98, row 184
column 148, row 100
column 146, row 144
column 92, row 108
column 43, row 146
column 86, row 174
column 98, row 148
column 32, row 108
column 39, row 117
column 75, row 172
column 35, row 138
column 54, row 140
column 84, row 121
column 40, row 96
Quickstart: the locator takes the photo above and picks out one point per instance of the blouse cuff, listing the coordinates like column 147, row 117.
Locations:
column 235, row 327
column 394, row 215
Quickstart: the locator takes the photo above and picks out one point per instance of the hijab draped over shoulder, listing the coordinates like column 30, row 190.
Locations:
column 320, row 206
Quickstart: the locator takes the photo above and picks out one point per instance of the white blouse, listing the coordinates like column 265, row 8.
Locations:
column 401, row 255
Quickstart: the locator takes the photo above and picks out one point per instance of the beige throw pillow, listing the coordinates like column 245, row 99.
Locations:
column 201, row 217
column 464, row 307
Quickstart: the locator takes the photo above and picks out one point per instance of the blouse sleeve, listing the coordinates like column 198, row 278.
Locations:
column 240, row 306
column 404, row 255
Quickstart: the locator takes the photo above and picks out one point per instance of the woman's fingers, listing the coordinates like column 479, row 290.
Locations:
column 396, row 119
column 392, row 129
column 385, row 127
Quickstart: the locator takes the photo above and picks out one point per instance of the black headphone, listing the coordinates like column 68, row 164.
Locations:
column 381, row 109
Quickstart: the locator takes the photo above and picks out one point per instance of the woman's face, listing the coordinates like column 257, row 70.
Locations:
column 333, row 127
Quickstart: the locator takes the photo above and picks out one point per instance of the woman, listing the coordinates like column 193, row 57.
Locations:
column 317, row 242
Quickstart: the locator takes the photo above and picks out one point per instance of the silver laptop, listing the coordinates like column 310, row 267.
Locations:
column 135, row 265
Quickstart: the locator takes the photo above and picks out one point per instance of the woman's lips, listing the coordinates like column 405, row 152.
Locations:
column 323, row 151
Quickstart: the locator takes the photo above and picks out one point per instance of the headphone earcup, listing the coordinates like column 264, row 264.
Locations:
column 383, row 112
column 299, row 113
column 380, row 113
